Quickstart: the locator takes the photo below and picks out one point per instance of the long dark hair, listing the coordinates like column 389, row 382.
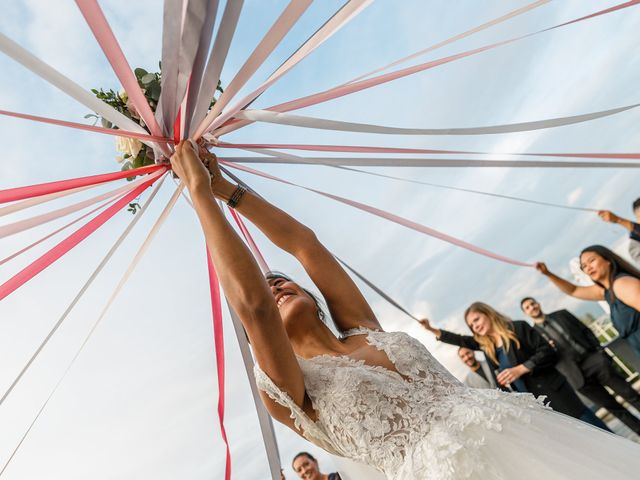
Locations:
column 618, row 265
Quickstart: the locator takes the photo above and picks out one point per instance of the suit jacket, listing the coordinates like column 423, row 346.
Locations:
column 536, row 354
column 474, row 380
column 567, row 364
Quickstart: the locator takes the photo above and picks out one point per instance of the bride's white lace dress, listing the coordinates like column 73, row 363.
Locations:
column 419, row 422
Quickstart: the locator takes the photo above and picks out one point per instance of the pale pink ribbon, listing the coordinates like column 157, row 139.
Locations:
column 104, row 35
column 390, row 216
column 31, row 202
column 90, row 128
column 354, row 87
column 430, row 162
column 58, row 230
column 367, row 149
column 276, row 33
column 25, row 224
column 460, row 36
column 348, row 11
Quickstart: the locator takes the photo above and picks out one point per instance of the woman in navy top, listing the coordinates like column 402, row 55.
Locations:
column 616, row 281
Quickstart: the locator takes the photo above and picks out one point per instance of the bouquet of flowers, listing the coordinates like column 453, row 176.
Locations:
column 132, row 152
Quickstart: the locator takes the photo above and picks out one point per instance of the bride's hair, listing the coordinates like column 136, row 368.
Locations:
column 501, row 325
column 321, row 313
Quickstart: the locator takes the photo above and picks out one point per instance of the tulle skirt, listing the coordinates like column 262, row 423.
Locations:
column 545, row 445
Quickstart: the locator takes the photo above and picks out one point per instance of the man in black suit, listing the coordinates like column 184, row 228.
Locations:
column 582, row 360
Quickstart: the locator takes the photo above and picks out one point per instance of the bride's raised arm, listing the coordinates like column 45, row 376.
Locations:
column 347, row 305
column 243, row 283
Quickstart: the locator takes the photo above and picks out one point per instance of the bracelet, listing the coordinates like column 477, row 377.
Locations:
column 236, row 196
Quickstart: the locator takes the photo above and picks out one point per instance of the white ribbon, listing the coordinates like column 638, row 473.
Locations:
column 269, row 42
column 455, row 38
column 31, row 202
column 216, row 60
column 335, row 23
column 269, row 116
column 95, row 325
column 84, row 288
column 68, row 86
column 27, row 223
column 428, row 162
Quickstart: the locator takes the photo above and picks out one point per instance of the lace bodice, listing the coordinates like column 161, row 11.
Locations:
column 377, row 416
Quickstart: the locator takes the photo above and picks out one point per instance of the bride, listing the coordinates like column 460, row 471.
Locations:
column 377, row 397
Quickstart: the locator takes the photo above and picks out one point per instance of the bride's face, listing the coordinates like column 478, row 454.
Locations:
column 479, row 323
column 292, row 301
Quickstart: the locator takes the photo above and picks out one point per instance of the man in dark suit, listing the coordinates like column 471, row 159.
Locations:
column 582, row 360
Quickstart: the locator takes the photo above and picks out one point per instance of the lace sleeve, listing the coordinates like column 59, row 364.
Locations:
column 307, row 427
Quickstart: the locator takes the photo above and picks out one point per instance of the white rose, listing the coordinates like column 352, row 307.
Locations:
column 128, row 145
column 123, row 95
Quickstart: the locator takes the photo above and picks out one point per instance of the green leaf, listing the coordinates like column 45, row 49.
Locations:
column 154, row 91
column 138, row 162
column 140, row 72
column 148, row 78
column 106, row 123
column 126, row 166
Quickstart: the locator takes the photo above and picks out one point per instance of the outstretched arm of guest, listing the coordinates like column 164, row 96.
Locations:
column 591, row 292
column 611, row 217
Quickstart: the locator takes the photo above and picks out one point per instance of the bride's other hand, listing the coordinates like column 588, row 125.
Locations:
column 191, row 170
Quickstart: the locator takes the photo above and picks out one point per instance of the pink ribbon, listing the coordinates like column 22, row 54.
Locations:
column 20, row 193
column 354, row 87
column 218, row 340
column 366, row 149
column 48, row 236
column 71, row 241
column 252, row 244
column 37, row 220
column 104, row 35
column 392, row 217
column 89, row 128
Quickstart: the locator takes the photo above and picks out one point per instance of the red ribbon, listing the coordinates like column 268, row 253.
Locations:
column 20, row 193
column 218, row 340
column 71, row 241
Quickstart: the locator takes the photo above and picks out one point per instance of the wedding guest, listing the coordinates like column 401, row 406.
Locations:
column 480, row 374
column 616, row 281
column 583, row 362
column 633, row 227
column 306, row 466
column 524, row 359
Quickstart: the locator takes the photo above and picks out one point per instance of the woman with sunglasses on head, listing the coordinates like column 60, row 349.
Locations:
column 375, row 397
column 616, row 281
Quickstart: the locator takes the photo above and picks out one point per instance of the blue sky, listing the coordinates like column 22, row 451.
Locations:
column 140, row 401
